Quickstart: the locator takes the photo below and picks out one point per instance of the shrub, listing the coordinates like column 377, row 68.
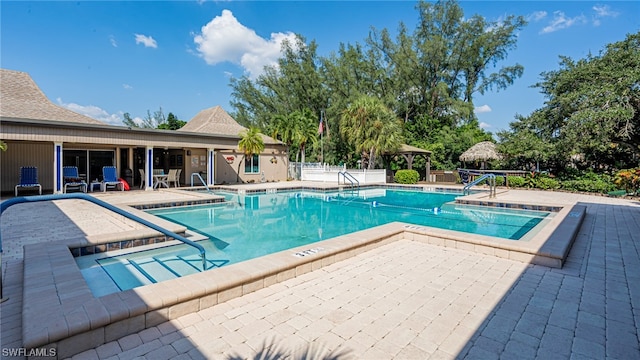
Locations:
column 628, row 179
column 587, row 185
column 547, row 183
column 499, row 180
column 516, row 181
column 407, row 177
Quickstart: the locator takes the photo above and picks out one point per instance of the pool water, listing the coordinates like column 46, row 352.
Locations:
column 249, row 226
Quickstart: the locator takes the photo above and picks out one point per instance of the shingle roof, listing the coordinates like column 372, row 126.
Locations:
column 213, row 121
column 21, row 98
column 217, row 121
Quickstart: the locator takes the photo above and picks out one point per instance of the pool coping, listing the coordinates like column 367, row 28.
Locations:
column 79, row 321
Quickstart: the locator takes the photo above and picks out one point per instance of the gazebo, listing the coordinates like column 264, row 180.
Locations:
column 485, row 150
column 409, row 153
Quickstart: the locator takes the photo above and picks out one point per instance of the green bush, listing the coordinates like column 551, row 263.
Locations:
column 590, row 182
column 586, row 185
column 499, row 180
column 516, row 181
column 407, row 177
column 547, row 183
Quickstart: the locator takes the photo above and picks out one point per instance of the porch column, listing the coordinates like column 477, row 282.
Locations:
column 211, row 167
column 57, row 168
column 148, row 168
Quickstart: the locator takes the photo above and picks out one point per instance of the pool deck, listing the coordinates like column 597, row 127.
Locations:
column 404, row 299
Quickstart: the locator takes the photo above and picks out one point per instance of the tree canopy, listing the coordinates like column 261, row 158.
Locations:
column 426, row 77
column 155, row 121
column 591, row 116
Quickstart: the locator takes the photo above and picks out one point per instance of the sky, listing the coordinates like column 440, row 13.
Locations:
column 104, row 59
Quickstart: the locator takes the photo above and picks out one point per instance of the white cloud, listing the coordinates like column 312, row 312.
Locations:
column 93, row 112
column 537, row 16
column 484, row 125
column 561, row 21
column 602, row 11
column 113, row 42
column 147, row 41
column 224, row 39
column 482, row 109
column 127, row 86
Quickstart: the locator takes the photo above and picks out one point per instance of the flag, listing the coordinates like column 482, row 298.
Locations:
column 320, row 126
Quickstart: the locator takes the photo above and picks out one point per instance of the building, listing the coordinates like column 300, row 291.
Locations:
column 42, row 134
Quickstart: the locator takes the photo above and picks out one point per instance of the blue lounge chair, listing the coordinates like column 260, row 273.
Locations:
column 110, row 178
column 29, row 178
column 72, row 179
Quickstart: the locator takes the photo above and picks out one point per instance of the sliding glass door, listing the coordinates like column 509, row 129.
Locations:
column 89, row 162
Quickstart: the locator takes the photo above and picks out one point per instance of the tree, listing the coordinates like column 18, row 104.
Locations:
column 250, row 143
column 128, row 121
column 305, row 130
column 371, row 127
column 427, row 77
column 447, row 59
column 592, row 109
column 172, row 123
column 155, row 121
column 525, row 146
column 293, row 85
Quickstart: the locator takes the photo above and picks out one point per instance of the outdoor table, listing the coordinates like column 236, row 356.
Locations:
column 160, row 180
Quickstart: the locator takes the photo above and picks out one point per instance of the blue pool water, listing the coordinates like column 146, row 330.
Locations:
column 250, row 226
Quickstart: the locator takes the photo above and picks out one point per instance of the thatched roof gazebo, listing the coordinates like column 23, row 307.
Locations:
column 483, row 151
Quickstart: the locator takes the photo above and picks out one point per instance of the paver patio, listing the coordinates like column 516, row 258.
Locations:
column 407, row 300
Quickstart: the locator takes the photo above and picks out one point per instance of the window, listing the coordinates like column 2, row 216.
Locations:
column 251, row 165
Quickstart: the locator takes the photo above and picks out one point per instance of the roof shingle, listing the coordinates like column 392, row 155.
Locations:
column 21, row 98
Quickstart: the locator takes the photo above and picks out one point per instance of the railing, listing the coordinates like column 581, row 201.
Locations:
column 346, row 176
column 201, row 180
column 491, row 180
column 37, row 198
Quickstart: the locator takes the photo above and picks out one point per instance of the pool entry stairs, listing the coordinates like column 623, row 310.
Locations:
column 128, row 273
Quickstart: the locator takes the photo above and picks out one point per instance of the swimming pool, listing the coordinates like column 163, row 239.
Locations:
column 250, row 226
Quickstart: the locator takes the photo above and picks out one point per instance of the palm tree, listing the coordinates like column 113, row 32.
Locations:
column 250, row 143
column 297, row 129
column 305, row 130
column 372, row 127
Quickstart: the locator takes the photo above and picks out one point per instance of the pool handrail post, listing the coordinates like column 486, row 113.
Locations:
column 201, row 180
column 37, row 198
column 492, row 184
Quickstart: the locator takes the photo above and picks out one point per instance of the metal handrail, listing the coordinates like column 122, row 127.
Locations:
column 491, row 181
column 201, row 180
column 37, row 198
column 347, row 176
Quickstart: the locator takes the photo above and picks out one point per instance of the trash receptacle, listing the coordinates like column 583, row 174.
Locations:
column 128, row 177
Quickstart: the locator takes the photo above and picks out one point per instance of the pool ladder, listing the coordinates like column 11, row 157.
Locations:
column 348, row 177
column 491, row 180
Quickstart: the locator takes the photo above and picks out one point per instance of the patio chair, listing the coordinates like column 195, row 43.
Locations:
column 178, row 177
column 29, row 179
column 72, row 179
column 143, row 178
column 172, row 177
column 110, row 178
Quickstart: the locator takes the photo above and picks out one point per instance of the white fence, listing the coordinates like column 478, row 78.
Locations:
column 327, row 173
